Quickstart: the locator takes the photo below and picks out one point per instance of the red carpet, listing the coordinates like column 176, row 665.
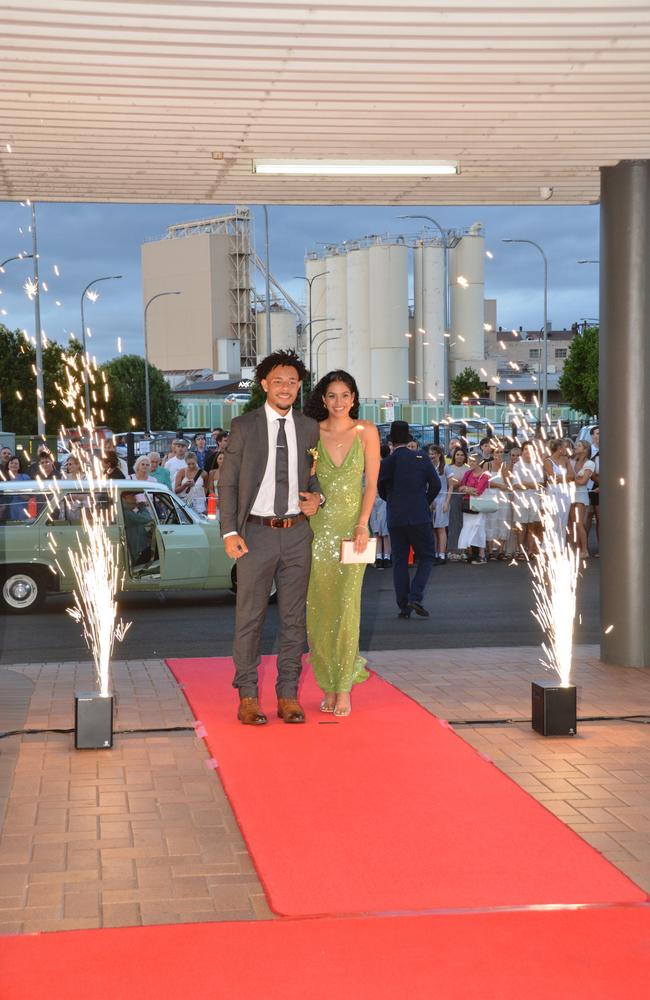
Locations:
column 587, row 955
column 387, row 811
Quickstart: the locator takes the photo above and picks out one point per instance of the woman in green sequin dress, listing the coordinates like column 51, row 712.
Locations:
column 348, row 465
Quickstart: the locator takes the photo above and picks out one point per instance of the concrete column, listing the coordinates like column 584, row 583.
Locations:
column 625, row 413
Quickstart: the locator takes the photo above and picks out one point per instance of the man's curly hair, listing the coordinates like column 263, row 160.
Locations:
column 286, row 358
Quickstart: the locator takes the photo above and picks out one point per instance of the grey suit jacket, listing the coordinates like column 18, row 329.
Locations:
column 245, row 461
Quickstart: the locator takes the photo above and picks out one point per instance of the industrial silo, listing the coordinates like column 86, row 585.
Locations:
column 429, row 327
column 358, row 319
column 389, row 319
column 283, row 329
column 416, row 360
column 330, row 350
column 467, row 288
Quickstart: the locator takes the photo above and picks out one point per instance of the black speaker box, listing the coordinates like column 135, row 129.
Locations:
column 554, row 708
column 93, row 721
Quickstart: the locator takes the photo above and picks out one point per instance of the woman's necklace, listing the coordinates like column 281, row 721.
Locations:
column 340, row 444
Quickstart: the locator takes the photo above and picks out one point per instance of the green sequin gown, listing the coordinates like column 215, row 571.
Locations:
column 334, row 595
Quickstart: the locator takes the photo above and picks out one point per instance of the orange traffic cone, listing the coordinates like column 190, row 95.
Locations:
column 411, row 556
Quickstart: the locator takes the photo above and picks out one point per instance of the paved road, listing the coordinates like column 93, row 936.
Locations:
column 470, row 606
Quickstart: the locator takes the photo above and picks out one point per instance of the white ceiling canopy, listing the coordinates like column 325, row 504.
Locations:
column 165, row 101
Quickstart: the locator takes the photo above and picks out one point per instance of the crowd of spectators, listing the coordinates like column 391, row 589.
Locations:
column 509, row 478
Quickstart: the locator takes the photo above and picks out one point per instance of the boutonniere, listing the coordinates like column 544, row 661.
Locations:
column 419, row 456
column 313, row 454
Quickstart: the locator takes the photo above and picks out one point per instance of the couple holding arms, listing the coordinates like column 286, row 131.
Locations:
column 292, row 486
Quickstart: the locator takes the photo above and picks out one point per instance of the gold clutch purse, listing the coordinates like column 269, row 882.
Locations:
column 349, row 556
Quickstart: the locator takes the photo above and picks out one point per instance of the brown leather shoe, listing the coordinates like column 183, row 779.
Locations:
column 289, row 710
column 250, row 713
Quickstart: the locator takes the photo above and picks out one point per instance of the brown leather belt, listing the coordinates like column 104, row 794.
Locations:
column 276, row 522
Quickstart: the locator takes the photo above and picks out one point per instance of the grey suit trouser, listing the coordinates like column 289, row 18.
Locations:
column 283, row 553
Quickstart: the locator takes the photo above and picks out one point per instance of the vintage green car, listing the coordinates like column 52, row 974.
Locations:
column 161, row 544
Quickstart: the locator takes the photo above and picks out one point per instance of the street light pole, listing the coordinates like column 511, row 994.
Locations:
column 444, row 236
column 267, row 325
column 110, row 277
column 147, row 400
column 545, row 331
column 326, row 341
column 310, row 281
column 328, row 329
column 20, row 256
column 38, row 334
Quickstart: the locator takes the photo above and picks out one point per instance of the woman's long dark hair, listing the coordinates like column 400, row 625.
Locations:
column 464, row 451
column 315, row 407
column 440, row 465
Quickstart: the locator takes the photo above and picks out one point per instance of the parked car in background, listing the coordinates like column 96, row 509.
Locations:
column 585, row 432
column 160, row 543
column 238, row 397
column 160, row 441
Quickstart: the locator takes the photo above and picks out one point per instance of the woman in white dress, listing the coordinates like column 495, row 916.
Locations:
column 583, row 467
column 190, row 484
column 527, row 481
column 440, row 505
column 379, row 524
column 455, row 472
column 512, row 457
column 560, row 488
column 497, row 525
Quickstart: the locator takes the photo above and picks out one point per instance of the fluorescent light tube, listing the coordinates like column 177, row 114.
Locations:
column 346, row 168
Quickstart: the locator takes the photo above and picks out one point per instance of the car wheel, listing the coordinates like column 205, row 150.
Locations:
column 273, row 596
column 23, row 590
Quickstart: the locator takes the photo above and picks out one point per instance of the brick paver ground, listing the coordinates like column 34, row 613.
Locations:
column 597, row 782
column 143, row 833
column 139, row 834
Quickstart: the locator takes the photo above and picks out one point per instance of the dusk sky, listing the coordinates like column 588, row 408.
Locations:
column 87, row 241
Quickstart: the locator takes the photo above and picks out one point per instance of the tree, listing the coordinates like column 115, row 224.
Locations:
column 18, row 384
column 579, row 379
column 126, row 392
column 464, row 384
column 258, row 398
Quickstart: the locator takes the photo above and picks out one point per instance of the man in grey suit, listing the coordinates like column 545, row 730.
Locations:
column 268, row 493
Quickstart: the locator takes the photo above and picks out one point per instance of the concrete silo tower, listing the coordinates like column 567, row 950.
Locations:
column 358, row 301
column 429, row 316
column 466, row 262
column 389, row 319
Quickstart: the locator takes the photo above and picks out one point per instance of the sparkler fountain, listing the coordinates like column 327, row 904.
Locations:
column 96, row 570
column 555, row 571
column 555, row 578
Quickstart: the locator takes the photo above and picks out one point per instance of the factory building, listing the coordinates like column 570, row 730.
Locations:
column 361, row 318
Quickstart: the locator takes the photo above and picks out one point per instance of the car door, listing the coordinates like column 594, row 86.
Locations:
column 182, row 546
column 62, row 530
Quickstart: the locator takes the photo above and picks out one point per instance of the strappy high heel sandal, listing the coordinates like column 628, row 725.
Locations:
column 342, row 712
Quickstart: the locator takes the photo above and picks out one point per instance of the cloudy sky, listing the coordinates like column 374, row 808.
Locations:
column 90, row 241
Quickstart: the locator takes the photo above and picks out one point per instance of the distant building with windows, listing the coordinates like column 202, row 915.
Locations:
column 516, row 357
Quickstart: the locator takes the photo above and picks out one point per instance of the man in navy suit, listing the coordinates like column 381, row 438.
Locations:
column 409, row 483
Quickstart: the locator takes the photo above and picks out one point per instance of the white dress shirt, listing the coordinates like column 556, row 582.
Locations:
column 265, row 499
column 173, row 465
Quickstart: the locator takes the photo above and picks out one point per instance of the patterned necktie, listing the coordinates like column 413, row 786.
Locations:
column 281, row 471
